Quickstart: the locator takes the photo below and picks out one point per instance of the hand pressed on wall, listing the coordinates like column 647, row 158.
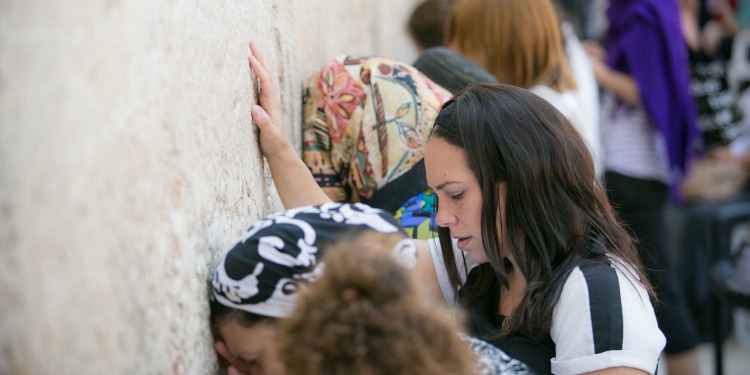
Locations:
column 294, row 182
column 268, row 117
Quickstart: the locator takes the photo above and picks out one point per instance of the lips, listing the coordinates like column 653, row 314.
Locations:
column 463, row 242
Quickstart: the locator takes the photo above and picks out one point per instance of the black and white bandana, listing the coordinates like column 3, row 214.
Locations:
column 259, row 274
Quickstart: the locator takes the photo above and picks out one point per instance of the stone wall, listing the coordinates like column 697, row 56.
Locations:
column 128, row 164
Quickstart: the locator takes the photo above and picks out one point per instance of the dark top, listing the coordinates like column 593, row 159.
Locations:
column 485, row 323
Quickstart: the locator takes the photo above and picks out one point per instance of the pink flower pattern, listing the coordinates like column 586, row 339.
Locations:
column 341, row 95
column 365, row 123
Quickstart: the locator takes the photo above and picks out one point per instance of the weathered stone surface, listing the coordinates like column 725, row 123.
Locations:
column 128, row 164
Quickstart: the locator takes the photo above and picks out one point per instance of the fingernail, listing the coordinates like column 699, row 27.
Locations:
column 255, row 110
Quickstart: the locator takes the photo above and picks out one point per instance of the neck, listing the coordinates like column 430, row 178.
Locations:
column 510, row 296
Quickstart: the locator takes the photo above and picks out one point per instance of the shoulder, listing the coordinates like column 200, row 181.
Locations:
column 611, row 275
column 604, row 318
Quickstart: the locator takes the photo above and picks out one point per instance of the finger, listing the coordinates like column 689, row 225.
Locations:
column 261, row 118
column 260, row 68
column 233, row 371
column 267, row 96
column 259, row 55
column 258, row 63
column 267, row 87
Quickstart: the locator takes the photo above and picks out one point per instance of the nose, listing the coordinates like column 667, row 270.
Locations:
column 445, row 216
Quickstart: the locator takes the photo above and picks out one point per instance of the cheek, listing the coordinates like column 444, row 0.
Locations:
column 475, row 211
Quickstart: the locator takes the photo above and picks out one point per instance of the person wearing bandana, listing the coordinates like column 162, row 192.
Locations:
column 256, row 283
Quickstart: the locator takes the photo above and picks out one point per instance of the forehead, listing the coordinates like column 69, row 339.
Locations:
column 445, row 162
column 245, row 342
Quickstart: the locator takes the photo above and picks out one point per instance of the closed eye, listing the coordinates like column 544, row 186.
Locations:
column 253, row 362
column 457, row 196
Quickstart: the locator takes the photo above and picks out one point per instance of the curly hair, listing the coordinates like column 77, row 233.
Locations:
column 366, row 316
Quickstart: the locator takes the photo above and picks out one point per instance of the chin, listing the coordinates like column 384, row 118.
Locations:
column 477, row 258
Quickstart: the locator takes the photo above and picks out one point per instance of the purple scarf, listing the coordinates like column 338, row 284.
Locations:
column 645, row 40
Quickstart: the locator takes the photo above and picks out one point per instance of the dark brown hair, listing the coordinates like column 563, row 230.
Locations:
column 556, row 213
column 220, row 313
column 427, row 23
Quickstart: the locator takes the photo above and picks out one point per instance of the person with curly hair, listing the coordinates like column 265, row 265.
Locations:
column 367, row 315
column 256, row 284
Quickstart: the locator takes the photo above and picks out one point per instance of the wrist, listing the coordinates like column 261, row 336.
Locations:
column 285, row 159
column 282, row 151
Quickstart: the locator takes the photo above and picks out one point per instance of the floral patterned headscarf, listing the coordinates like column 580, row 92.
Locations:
column 366, row 122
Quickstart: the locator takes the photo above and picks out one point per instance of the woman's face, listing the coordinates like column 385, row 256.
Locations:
column 248, row 344
column 459, row 195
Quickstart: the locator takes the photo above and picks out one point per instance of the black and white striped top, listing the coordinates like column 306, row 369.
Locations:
column 603, row 319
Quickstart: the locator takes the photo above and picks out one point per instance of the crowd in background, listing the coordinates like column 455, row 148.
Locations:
column 621, row 132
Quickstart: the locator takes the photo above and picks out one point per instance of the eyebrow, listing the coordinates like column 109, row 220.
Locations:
column 444, row 184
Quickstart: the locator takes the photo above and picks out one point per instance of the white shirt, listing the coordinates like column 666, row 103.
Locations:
column 587, row 94
column 568, row 104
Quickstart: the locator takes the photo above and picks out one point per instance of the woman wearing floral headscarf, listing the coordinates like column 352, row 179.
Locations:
column 366, row 120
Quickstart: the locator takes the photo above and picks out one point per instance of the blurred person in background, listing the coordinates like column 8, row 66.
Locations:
column 650, row 136
column 520, row 43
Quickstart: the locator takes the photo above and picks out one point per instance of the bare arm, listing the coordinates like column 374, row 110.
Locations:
column 294, row 182
column 620, row 84
column 425, row 270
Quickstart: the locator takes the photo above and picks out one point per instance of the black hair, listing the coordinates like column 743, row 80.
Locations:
column 221, row 313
